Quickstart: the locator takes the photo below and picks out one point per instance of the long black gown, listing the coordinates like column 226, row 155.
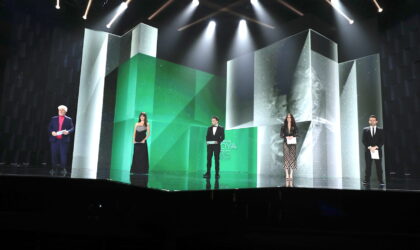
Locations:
column 140, row 164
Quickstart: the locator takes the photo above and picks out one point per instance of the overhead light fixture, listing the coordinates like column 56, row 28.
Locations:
column 87, row 9
column 335, row 4
column 377, row 6
column 210, row 30
column 195, row 3
column 123, row 6
column 254, row 2
column 57, row 5
column 224, row 9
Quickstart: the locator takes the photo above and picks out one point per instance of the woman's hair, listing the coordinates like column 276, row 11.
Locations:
column 293, row 120
column 145, row 118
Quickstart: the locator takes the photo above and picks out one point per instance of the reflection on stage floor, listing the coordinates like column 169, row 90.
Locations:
column 228, row 180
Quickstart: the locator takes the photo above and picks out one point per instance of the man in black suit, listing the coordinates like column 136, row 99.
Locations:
column 215, row 136
column 373, row 139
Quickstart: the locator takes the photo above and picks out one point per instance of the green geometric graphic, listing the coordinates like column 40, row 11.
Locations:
column 179, row 102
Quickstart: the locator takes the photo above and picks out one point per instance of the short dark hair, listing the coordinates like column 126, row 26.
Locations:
column 215, row 117
column 373, row 116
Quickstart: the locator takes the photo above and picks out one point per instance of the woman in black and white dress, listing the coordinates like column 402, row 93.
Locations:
column 140, row 164
column 289, row 132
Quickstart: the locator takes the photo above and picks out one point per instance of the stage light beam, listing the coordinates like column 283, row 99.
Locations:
column 120, row 10
column 87, row 9
column 57, row 5
column 210, row 30
column 164, row 6
column 195, row 3
column 336, row 5
column 254, row 2
column 378, row 6
column 290, row 7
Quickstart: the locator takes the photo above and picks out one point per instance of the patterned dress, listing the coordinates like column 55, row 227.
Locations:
column 289, row 150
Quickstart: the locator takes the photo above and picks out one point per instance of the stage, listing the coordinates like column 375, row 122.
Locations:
column 181, row 212
column 227, row 181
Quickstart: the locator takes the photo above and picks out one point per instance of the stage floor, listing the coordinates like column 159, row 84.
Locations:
column 193, row 182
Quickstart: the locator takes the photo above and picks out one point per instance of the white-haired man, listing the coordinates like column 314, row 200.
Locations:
column 60, row 128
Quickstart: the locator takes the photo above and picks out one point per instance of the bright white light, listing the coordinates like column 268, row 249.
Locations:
column 87, row 9
column 243, row 29
column 57, row 6
column 210, row 30
column 378, row 6
column 337, row 6
column 120, row 10
column 195, row 3
column 254, row 2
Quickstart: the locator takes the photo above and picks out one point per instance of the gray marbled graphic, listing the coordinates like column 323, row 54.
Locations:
column 281, row 82
column 325, row 126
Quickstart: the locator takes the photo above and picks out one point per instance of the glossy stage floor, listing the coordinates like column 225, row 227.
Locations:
column 161, row 211
column 227, row 181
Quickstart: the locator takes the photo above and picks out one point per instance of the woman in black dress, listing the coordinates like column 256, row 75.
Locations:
column 140, row 164
column 289, row 132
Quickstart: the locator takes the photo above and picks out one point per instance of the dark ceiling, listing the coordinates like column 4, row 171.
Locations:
column 140, row 10
column 175, row 49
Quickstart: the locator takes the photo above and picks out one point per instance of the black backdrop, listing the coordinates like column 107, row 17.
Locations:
column 40, row 62
column 41, row 70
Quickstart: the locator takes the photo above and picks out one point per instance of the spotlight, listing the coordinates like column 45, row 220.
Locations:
column 210, row 30
column 336, row 5
column 242, row 29
column 57, row 6
column 254, row 2
column 212, row 24
column 120, row 10
column 377, row 6
column 87, row 9
column 195, row 3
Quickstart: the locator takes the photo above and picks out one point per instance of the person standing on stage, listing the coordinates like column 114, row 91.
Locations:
column 140, row 164
column 60, row 128
column 215, row 136
column 373, row 140
column 289, row 132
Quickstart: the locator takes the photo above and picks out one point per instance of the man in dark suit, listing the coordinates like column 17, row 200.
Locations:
column 215, row 136
column 373, row 139
column 60, row 128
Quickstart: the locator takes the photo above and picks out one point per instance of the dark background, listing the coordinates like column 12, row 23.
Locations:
column 41, row 49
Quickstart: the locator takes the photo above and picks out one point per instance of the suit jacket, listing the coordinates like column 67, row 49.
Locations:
column 219, row 136
column 67, row 125
column 376, row 140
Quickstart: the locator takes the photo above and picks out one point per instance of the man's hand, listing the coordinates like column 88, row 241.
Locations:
column 65, row 132
column 54, row 133
column 142, row 141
